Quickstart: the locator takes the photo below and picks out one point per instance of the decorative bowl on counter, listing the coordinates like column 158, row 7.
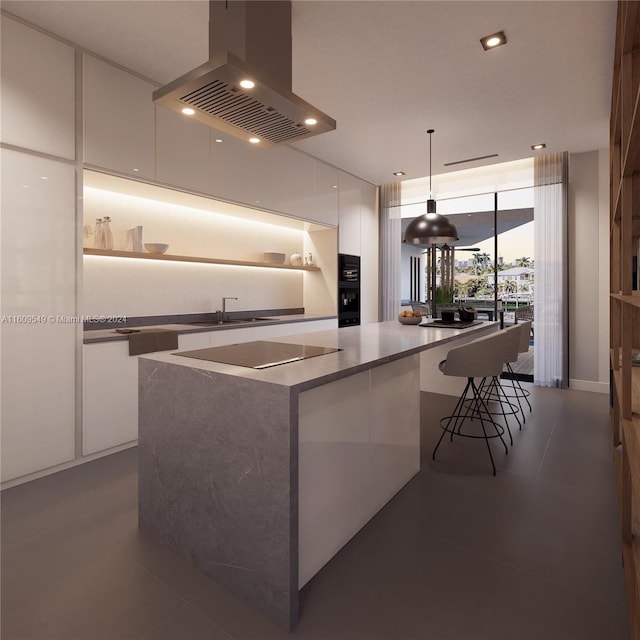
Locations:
column 155, row 247
column 274, row 258
column 410, row 317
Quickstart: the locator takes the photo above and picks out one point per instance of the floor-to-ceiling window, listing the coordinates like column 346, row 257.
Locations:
column 491, row 267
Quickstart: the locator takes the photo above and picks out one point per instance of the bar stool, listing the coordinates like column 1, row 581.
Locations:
column 493, row 391
column 523, row 347
column 481, row 358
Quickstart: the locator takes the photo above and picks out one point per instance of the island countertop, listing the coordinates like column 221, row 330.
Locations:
column 361, row 348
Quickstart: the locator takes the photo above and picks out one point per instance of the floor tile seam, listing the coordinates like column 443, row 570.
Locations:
column 181, row 597
column 559, row 580
column 546, row 447
column 494, row 602
column 18, row 543
column 82, row 513
column 158, row 625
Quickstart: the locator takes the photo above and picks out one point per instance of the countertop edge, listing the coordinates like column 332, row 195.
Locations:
column 256, row 376
column 186, row 328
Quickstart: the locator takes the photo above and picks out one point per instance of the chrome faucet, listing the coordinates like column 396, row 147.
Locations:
column 224, row 309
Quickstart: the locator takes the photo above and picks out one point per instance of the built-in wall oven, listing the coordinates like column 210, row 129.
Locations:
column 348, row 290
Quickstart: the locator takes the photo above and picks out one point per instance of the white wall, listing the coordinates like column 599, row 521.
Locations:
column 588, row 271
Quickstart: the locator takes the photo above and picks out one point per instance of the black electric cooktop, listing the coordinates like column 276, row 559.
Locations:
column 259, row 354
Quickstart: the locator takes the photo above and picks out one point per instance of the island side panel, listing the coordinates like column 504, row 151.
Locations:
column 359, row 445
column 395, row 427
column 217, row 459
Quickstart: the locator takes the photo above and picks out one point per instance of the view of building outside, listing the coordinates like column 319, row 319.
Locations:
column 473, row 266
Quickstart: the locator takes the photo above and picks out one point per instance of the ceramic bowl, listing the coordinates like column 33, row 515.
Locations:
column 274, row 258
column 155, row 247
column 409, row 319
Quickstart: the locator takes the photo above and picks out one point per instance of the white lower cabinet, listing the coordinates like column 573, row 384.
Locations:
column 110, row 409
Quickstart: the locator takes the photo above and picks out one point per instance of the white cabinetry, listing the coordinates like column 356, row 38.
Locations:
column 326, row 194
column 110, row 410
column 38, row 91
column 278, row 179
column 358, row 235
column 369, row 261
column 119, row 120
column 182, row 151
column 38, row 288
column 359, row 442
column 349, row 228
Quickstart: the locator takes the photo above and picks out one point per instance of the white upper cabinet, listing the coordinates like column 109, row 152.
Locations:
column 119, row 120
column 326, row 194
column 349, row 215
column 38, row 91
column 182, row 151
column 278, row 179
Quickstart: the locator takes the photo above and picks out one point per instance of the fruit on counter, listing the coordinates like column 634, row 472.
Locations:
column 407, row 313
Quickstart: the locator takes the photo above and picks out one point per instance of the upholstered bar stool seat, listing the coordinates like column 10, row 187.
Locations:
column 482, row 358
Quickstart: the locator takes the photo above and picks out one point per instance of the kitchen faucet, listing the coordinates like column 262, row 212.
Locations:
column 224, row 308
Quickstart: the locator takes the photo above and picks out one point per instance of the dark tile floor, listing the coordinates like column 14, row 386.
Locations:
column 531, row 554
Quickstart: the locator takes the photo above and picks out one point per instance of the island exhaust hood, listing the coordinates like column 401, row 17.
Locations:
column 245, row 87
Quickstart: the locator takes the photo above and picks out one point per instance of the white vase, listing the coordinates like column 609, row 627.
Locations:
column 295, row 260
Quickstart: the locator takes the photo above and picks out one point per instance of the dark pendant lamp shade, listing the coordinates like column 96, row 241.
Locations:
column 430, row 228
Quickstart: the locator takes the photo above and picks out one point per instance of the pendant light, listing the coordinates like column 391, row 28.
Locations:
column 431, row 227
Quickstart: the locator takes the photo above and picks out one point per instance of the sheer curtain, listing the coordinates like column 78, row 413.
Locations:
column 390, row 250
column 550, row 254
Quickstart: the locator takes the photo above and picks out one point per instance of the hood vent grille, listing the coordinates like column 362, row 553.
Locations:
column 235, row 107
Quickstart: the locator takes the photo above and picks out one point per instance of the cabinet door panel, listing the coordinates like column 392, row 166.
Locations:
column 278, row 179
column 327, row 194
column 369, row 253
column 349, row 229
column 110, row 413
column 38, row 292
column 38, row 91
column 182, row 151
column 200, row 340
column 119, row 120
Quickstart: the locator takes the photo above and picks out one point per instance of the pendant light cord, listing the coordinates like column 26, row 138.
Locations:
column 430, row 131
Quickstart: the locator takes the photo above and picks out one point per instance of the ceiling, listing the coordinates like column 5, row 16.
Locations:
column 388, row 70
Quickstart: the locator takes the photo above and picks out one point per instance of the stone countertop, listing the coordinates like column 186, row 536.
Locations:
column 110, row 335
column 362, row 347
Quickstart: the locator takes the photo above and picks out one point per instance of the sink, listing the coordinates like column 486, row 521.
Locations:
column 214, row 323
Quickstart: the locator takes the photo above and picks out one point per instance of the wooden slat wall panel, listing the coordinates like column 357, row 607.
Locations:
column 625, row 306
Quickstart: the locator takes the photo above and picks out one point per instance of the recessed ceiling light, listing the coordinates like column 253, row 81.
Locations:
column 399, row 173
column 218, row 139
column 247, row 84
column 44, row 178
column 334, row 186
column 493, row 41
column 311, row 121
column 537, row 147
column 188, row 111
column 254, row 140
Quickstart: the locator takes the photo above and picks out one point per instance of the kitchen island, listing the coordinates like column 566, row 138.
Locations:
column 259, row 476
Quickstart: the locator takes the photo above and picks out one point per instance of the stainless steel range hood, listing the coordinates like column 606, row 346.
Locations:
column 248, row 40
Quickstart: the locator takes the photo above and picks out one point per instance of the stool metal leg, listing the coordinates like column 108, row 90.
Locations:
column 475, row 407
